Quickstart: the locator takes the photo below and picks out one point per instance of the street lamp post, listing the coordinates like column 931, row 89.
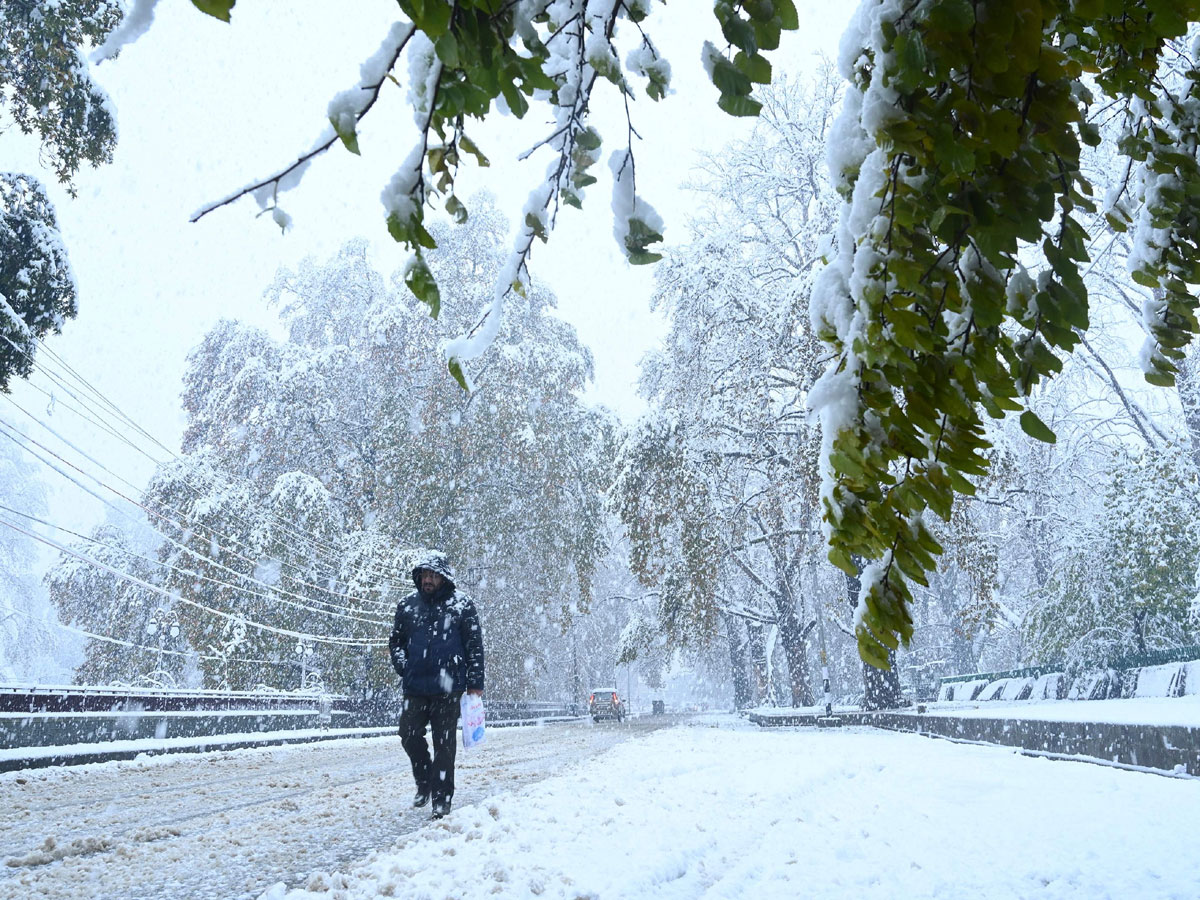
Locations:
column 163, row 624
column 304, row 649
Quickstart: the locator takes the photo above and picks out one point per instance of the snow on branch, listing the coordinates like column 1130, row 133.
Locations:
column 136, row 23
column 345, row 112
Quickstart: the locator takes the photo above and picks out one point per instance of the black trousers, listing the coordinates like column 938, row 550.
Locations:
column 440, row 714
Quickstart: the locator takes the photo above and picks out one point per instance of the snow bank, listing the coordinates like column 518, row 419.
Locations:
column 1141, row 711
column 730, row 812
column 962, row 690
column 1192, row 684
column 1166, row 680
column 10, row 755
column 1157, row 681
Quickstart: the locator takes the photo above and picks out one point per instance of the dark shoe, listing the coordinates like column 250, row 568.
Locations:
column 420, row 799
column 441, row 808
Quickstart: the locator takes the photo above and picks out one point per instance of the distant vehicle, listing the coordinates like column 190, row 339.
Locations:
column 604, row 703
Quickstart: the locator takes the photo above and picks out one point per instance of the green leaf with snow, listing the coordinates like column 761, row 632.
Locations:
column 729, row 79
column 456, row 371
column 789, row 20
column 1036, row 428
column 757, row 67
column 535, row 224
column 419, row 279
column 348, row 137
column 468, row 146
column 411, row 231
column 218, row 9
column 456, row 208
column 639, row 237
column 739, row 106
column 588, row 138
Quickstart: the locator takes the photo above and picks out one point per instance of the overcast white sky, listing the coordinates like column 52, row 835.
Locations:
column 205, row 107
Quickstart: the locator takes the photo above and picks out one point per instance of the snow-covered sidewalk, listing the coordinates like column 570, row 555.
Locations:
column 30, row 757
column 725, row 810
column 229, row 824
column 1183, row 711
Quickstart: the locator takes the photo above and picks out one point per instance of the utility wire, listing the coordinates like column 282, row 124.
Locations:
column 291, row 530
column 5, row 429
column 321, row 549
column 131, row 645
column 188, row 572
column 133, row 579
column 228, row 540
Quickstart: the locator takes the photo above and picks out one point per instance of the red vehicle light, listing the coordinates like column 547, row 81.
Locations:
column 592, row 699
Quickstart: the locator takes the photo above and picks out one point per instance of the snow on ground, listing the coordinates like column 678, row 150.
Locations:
column 1135, row 711
column 230, row 824
column 168, row 745
column 730, row 811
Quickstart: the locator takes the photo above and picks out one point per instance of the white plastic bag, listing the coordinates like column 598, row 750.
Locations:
column 472, row 721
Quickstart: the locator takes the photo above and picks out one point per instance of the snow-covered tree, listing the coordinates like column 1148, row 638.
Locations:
column 95, row 599
column 958, row 285
column 47, row 90
column 1128, row 584
column 37, row 289
column 32, row 645
column 315, row 466
column 719, row 491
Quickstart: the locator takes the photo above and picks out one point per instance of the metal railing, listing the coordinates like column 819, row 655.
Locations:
column 1121, row 663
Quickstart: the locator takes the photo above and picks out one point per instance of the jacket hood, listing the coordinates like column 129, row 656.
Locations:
column 434, row 561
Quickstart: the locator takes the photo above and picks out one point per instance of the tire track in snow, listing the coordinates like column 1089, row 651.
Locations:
column 299, row 809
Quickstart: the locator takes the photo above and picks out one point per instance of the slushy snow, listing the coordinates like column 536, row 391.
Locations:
column 732, row 811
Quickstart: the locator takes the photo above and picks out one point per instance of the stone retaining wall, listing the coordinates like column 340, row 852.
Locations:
column 1167, row 749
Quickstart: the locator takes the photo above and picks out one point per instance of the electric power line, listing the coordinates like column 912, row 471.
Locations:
column 232, row 617
column 213, row 533
column 4, row 431
column 187, row 572
column 189, row 654
column 321, row 549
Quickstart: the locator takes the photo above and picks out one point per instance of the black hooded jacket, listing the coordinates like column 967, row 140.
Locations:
column 436, row 643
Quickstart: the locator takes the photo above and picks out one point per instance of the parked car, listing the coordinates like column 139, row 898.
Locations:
column 604, row 703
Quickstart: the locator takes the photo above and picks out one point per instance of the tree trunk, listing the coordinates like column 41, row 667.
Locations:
column 737, row 661
column 756, row 640
column 881, row 688
column 1139, row 629
column 1188, row 383
column 795, row 647
column 963, row 660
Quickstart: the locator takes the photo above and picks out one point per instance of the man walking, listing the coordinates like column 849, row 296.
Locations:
column 437, row 649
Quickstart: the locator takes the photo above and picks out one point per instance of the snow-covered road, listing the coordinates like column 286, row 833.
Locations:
column 713, row 808
column 220, row 825
column 730, row 811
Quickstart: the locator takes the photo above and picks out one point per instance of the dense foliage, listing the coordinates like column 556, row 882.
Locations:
column 47, row 86
column 957, row 285
column 37, row 290
column 47, row 89
column 958, row 281
column 315, row 467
